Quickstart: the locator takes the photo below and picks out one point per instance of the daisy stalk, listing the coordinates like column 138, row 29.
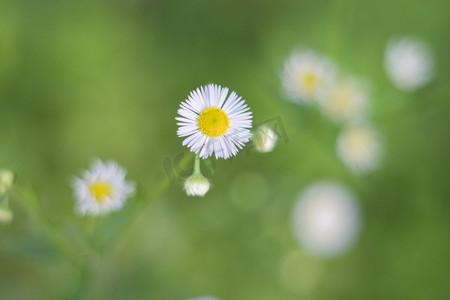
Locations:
column 131, row 215
column 64, row 243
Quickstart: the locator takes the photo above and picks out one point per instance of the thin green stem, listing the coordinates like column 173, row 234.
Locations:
column 197, row 165
column 83, row 283
column 67, row 246
column 141, row 207
column 32, row 204
column 340, row 18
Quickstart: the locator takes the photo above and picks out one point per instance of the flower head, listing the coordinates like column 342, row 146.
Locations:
column 408, row 63
column 346, row 100
column 359, row 147
column 306, row 76
column 102, row 189
column 326, row 218
column 214, row 122
column 196, row 185
column 264, row 139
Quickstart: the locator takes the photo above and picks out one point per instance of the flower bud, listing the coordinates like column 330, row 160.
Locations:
column 196, row 185
column 264, row 139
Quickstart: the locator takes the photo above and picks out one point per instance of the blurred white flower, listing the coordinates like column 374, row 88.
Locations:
column 346, row 100
column 306, row 76
column 6, row 181
column 264, row 139
column 359, row 147
column 326, row 219
column 102, row 189
column 213, row 121
column 196, row 185
column 408, row 63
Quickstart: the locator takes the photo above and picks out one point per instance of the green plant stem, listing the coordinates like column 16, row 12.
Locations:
column 83, row 282
column 34, row 207
column 340, row 18
column 197, row 165
column 84, row 265
column 141, row 207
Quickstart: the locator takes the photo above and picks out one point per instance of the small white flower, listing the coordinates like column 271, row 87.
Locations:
column 214, row 122
column 264, row 139
column 408, row 63
column 359, row 147
column 346, row 100
column 6, row 181
column 326, row 219
column 306, row 76
column 196, row 185
column 102, row 189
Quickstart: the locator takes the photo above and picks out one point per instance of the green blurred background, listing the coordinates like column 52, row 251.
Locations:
column 84, row 79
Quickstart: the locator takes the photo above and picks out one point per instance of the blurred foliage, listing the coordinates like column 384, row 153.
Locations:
column 84, row 79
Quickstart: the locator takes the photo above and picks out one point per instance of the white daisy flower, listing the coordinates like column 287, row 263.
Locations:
column 264, row 139
column 102, row 189
column 306, row 76
column 359, row 147
column 214, row 122
column 326, row 219
column 408, row 63
column 346, row 100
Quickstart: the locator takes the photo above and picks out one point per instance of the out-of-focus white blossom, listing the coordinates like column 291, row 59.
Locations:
column 326, row 219
column 408, row 62
column 306, row 76
column 102, row 189
column 359, row 147
column 346, row 100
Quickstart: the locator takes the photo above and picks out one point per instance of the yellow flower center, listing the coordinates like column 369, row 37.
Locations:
column 342, row 102
column 100, row 191
column 309, row 82
column 310, row 79
column 213, row 122
column 359, row 140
